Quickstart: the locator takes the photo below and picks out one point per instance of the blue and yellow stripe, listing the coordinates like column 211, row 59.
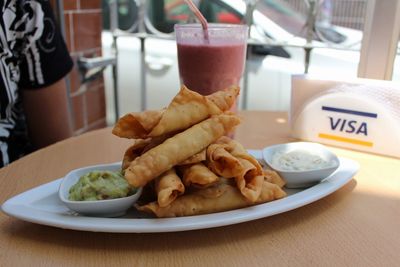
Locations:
column 345, row 139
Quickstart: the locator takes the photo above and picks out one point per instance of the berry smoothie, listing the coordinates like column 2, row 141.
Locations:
column 206, row 68
column 210, row 64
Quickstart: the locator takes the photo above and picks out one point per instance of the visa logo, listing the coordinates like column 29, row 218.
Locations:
column 348, row 126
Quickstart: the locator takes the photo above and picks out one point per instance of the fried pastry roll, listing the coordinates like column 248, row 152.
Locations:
column 133, row 152
column 186, row 109
column 221, row 162
column 178, row 148
column 168, row 187
column 274, row 178
column 198, row 175
column 224, row 99
column 221, row 197
column 189, row 107
column 250, row 181
column 139, row 147
column 228, row 158
column 196, row 158
column 137, row 124
column 237, row 150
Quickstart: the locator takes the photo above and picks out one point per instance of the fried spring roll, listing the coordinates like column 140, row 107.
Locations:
column 237, row 150
column 186, row 109
column 189, row 108
column 221, row 197
column 137, row 124
column 196, row 158
column 224, row 99
column 168, row 187
column 221, row 162
column 133, row 152
column 178, row 148
column 139, row 147
column 250, row 181
column 274, row 178
column 229, row 158
column 198, row 175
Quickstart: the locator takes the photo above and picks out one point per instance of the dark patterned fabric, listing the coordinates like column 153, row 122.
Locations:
column 32, row 55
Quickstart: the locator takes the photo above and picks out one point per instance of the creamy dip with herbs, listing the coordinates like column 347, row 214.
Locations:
column 300, row 160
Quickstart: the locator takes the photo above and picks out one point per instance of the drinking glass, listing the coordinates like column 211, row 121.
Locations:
column 210, row 64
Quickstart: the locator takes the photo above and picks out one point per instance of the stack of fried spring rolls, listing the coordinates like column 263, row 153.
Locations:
column 181, row 141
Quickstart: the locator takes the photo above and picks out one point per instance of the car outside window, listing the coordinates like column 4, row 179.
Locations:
column 283, row 15
column 218, row 12
column 177, row 11
column 295, row 23
column 127, row 14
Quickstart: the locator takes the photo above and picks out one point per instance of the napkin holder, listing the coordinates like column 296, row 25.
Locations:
column 359, row 114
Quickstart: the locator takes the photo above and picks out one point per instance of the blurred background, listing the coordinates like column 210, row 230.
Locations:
column 125, row 51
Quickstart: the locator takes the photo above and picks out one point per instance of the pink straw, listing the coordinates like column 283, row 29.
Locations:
column 200, row 16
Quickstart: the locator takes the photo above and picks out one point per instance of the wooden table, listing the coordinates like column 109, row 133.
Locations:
column 358, row 225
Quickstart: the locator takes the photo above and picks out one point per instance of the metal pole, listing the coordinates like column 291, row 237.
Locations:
column 113, row 5
column 143, row 85
column 61, row 22
column 142, row 29
column 310, row 27
column 115, row 78
column 250, row 6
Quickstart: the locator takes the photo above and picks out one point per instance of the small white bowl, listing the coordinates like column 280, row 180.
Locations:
column 302, row 178
column 98, row 208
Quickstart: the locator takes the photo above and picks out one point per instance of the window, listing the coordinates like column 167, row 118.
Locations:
column 396, row 69
column 127, row 14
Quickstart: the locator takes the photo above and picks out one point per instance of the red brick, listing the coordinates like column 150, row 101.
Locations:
column 87, row 30
column 96, row 104
column 74, row 76
column 91, row 4
column 78, row 112
column 68, row 32
column 71, row 4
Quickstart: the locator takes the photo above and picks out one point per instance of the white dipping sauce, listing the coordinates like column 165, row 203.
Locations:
column 299, row 160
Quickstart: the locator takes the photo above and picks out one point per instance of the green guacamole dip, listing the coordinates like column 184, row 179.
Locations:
column 100, row 185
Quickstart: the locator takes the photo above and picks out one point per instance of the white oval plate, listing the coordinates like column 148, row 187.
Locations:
column 42, row 205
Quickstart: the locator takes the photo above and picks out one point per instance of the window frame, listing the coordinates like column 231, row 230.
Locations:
column 380, row 39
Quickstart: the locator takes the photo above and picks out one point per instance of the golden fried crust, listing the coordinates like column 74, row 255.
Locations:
column 198, row 175
column 186, row 109
column 221, row 197
column 168, row 187
column 137, row 124
column 229, row 159
column 178, row 148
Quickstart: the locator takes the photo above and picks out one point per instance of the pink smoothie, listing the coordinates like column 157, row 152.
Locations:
column 206, row 68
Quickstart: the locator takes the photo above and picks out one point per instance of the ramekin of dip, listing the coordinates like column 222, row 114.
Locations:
column 301, row 164
column 92, row 191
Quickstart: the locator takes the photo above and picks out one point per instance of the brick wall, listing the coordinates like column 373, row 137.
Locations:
column 83, row 25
